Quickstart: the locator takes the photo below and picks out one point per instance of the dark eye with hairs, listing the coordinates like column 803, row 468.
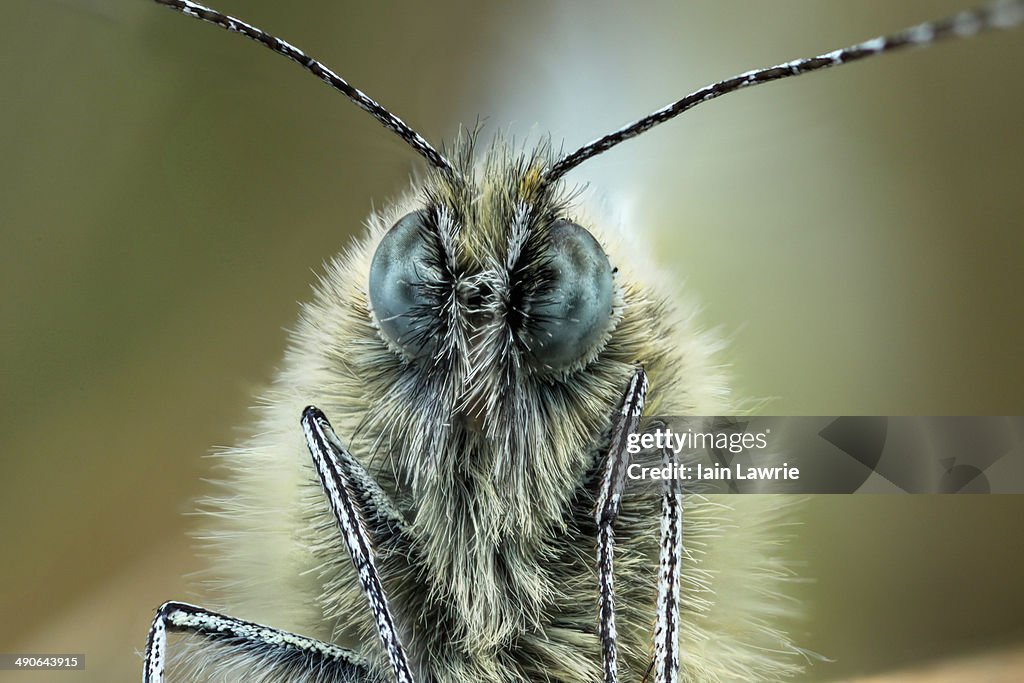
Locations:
column 568, row 311
column 404, row 285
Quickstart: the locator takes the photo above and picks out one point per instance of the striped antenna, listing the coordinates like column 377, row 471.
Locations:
column 999, row 15
column 361, row 99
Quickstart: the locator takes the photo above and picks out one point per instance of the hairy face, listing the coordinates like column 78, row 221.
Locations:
column 494, row 316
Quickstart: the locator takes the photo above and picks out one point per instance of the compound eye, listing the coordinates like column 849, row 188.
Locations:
column 568, row 316
column 402, row 277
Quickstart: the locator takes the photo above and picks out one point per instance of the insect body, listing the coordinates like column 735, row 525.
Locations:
column 482, row 353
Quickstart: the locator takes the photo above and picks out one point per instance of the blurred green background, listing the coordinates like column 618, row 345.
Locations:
column 168, row 191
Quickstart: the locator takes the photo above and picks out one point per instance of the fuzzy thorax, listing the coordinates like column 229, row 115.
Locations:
column 483, row 435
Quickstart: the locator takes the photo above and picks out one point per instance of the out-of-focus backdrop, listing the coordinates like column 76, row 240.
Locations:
column 168, row 192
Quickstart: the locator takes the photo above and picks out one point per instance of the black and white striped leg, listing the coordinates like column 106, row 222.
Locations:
column 666, row 629
column 612, row 483
column 344, row 493
column 384, row 521
column 280, row 649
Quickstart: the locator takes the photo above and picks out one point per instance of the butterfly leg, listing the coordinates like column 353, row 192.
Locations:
column 612, row 483
column 273, row 648
column 355, row 499
column 666, row 628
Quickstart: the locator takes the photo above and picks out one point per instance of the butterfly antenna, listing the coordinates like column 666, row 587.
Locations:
column 999, row 15
column 361, row 99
